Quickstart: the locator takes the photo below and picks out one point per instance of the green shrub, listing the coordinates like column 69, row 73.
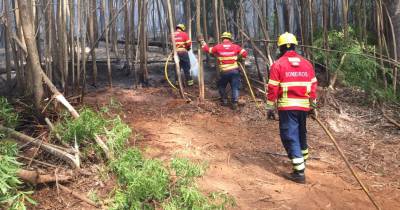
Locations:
column 8, row 116
column 357, row 70
column 83, row 129
column 186, row 171
column 10, row 194
column 117, row 135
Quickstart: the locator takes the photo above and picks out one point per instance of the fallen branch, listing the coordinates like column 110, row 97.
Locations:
column 77, row 195
column 390, row 119
column 34, row 177
column 44, row 146
column 37, row 161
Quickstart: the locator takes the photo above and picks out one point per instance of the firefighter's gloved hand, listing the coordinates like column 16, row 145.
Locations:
column 240, row 59
column 271, row 113
column 313, row 111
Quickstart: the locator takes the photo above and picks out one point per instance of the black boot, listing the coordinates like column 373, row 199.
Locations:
column 297, row 176
column 234, row 106
column 224, row 102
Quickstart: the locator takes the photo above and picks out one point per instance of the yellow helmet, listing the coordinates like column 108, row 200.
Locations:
column 288, row 39
column 181, row 26
column 226, row 35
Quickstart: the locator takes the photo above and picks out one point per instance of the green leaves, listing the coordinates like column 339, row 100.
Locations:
column 10, row 196
column 8, row 116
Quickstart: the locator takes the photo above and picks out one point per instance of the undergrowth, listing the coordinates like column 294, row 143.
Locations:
column 8, row 117
column 12, row 195
column 357, row 70
column 142, row 183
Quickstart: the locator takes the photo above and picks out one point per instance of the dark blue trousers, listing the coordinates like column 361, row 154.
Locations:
column 184, row 63
column 293, row 132
column 233, row 79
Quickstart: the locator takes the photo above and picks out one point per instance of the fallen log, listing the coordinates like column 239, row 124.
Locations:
column 77, row 195
column 34, row 177
column 70, row 159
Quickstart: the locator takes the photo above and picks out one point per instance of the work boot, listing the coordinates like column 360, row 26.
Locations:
column 224, row 102
column 297, row 177
column 234, row 106
column 190, row 82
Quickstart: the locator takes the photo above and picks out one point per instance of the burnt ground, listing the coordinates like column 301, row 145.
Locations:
column 243, row 150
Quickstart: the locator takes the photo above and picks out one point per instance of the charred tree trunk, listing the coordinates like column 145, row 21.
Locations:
column 200, row 57
column 92, row 12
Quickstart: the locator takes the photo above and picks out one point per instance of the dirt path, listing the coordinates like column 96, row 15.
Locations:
column 235, row 145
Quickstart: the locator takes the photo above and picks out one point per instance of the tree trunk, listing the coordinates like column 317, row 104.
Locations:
column 33, row 57
column 201, row 71
column 92, row 12
column 107, row 37
column 143, row 37
column 7, row 42
column 176, row 58
column 394, row 11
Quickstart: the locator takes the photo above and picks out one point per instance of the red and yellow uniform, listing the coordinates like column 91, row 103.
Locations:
column 227, row 54
column 292, row 83
column 182, row 41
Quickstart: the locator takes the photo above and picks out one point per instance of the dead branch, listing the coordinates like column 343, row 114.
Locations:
column 34, row 177
column 37, row 161
column 44, row 146
column 390, row 119
column 77, row 195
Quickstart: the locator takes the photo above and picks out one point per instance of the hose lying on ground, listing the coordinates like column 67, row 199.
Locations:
column 347, row 162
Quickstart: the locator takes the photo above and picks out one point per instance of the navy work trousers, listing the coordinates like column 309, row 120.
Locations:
column 233, row 78
column 293, row 131
column 184, row 63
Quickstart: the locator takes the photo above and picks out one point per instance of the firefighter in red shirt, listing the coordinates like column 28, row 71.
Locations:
column 227, row 55
column 292, row 89
column 183, row 45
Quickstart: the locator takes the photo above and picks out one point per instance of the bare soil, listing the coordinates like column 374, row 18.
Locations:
column 237, row 147
column 244, row 153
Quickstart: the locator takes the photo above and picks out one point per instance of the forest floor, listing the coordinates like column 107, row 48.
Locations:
column 244, row 154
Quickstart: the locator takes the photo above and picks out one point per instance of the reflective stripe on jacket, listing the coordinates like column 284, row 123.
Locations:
column 227, row 54
column 182, row 41
column 292, row 83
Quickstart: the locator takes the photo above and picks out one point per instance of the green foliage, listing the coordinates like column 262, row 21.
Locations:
column 357, row 70
column 10, row 195
column 147, row 181
column 117, row 135
column 8, row 116
column 144, row 180
column 83, row 129
column 186, row 171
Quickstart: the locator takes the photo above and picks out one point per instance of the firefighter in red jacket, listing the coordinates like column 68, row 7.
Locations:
column 292, row 89
column 227, row 55
column 183, row 45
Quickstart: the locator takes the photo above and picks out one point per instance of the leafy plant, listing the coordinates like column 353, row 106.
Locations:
column 10, row 195
column 357, row 70
column 117, row 135
column 8, row 117
column 84, row 128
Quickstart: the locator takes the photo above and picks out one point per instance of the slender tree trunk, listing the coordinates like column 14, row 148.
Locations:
column 205, row 25
column 33, row 57
column 200, row 57
column 107, row 34
column 325, row 15
column 188, row 13
column 126, row 34
column 7, row 42
column 92, row 42
column 143, row 37
column 345, row 10
column 176, row 58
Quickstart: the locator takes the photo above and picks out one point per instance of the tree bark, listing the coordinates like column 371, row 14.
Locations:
column 200, row 57
column 33, row 57
column 93, row 40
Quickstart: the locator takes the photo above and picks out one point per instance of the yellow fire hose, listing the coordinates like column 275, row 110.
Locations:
column 365, row 189
column 249, row 85
column 166, row 72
